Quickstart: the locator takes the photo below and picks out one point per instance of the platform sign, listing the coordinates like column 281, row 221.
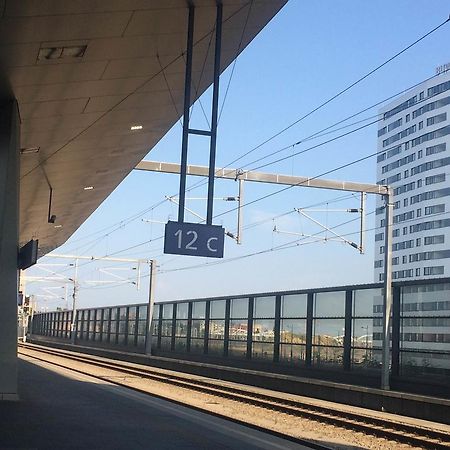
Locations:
column 194, row 239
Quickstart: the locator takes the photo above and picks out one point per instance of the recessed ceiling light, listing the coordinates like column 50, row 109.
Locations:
column 58, row 226
column 88, row 188
column 28, row 150
column 136, row 127
column 72, row 51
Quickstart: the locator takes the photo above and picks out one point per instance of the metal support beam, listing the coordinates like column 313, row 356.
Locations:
column 151, row 302
column 387, row 307
column 215, row 106
column 261, row 177
column 187, row 104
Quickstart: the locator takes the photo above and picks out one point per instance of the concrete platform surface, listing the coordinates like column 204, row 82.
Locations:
column 59, row 409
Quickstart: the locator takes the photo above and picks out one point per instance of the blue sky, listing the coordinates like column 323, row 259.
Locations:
column 307, row 53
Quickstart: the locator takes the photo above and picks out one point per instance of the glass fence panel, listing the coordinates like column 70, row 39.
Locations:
column 329, row 304
column 155, row 327
column 237, row 349
column 198, row 310
column 180, row 344
column 182, row 310
column 294, row 305
column 262, row 350
column 292, row 353
column 264, row 307
column 181, row 328
column 167, row 310
column 215, row 347
column 328, row 356
column 364, row 301
column 238, row 330
column 166, row 343
column 166, row 327
column 217, row 309
column 425, row 331
column 217, row 329
column 239, row 308
column 197, row 329
column 328, row 332
column 293, row 331
column 197, row 345
column 426, row 300
column 263, row 330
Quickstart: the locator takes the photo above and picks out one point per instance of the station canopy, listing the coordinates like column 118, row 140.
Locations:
column 85, row 73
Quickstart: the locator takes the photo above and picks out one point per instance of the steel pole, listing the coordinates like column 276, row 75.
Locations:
column 151, row 301
column 362, row 232
column 74, row 305
column 187, row 103
column 215, row 106
column 240, row 213
column 387, row 306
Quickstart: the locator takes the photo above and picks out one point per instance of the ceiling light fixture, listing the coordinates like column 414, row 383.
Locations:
column 136, row 127
column 88, row 188
column 72, row 51
column 29, row 150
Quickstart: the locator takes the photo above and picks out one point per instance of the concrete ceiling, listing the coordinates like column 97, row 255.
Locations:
column 84, row 72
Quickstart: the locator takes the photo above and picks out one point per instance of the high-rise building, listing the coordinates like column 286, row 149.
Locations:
column 414, row 158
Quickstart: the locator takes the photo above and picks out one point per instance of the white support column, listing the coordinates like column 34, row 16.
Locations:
column 9, row 220
column 387, row 307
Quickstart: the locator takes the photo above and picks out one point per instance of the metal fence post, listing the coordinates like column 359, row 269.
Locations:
column 348, row 330
column 309, row 328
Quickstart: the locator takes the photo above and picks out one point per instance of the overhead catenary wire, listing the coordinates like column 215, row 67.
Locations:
column 346, row 89
column 126, row 221
column 244, row 28
column 316, row 109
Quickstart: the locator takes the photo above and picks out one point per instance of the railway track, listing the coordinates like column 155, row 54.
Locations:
column 404, row 433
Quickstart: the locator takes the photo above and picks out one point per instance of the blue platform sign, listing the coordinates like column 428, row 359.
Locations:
column 194, row 239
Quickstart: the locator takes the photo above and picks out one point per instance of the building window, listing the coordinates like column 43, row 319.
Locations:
column 408, row 117
column 419, row 154
column 419, row 183
column 404, row 259
column 406, row 174
column 433, row 240
column 396, row 232
column 436, row 270
column 405, row 202
column 405, row 231
column 418, row 242
column 421, row 95
column 419, row 212
column 420, row 124
column 418, row 272
column 407, row 145
column 434, row 209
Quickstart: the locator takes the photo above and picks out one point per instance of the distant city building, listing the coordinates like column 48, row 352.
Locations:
column 414, row 158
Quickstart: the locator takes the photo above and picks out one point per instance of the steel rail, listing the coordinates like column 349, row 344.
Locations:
column 383, row 428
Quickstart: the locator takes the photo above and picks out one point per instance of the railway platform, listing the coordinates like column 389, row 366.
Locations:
column 60, row 409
